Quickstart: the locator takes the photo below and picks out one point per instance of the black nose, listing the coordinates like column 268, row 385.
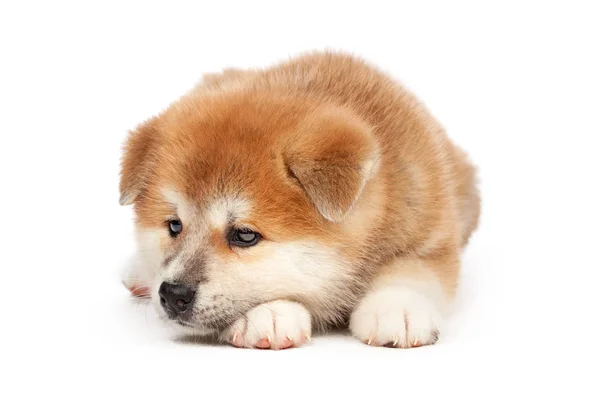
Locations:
column 176, row 297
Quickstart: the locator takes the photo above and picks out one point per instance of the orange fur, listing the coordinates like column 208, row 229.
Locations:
column 329, row 149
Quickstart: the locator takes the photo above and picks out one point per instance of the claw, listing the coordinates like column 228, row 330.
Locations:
column 269, row 339
column 395, row 341
column 286, row 343
column 369, row 341
column 308, row 338
column 234, row 338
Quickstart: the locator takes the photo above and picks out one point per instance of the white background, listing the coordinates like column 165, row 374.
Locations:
column 516, row 85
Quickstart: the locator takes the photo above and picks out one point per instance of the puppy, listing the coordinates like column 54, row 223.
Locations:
column 313, row 194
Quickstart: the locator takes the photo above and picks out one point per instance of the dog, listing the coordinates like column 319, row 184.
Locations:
column 313, row 194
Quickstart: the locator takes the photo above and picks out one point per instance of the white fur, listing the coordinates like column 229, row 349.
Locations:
column 276, row 321
column 303, row 270
column 173, row 271
column 401, row 315
column 309, row 272
column 301, row 267
column 182, row 207
column 221, row 209
column 146, row 262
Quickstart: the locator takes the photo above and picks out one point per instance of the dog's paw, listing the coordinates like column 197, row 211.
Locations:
column 137, row 280
column 137, row 291
column 396, row 317
column 274, row 325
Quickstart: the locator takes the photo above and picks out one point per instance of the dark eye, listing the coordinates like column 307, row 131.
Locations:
column 175, row 227
column 244, row 237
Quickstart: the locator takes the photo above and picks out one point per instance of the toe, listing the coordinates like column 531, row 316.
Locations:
column 263, row 344
column 139, row 291
column 287, row 343
column 237, row 341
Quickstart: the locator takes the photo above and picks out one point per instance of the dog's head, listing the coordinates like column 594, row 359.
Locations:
column 241, row 199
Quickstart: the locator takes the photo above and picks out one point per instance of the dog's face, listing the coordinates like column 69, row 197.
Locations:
column 239, row 200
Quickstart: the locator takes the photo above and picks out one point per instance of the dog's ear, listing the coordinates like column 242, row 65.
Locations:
column 136, row 162
column 332, row 155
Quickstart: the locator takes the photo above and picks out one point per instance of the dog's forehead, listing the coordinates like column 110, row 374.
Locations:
column 182, row 207
column 217, row 211
column 225, row 210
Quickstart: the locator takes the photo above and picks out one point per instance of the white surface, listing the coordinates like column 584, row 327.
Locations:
column 516, row 85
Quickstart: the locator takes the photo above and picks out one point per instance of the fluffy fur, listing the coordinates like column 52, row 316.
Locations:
column 363, row 202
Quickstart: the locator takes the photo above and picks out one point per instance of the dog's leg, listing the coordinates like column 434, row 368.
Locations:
column 137, row 277
column 279, row 324
column 407, row 301
column 143, row 267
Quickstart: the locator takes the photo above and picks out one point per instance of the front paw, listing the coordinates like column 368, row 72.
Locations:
column 396, row 317
column 274, row 325
column 137, row 291
column 137, row 279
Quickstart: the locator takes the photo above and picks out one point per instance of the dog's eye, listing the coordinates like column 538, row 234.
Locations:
column 244, row 237
column 175, row 227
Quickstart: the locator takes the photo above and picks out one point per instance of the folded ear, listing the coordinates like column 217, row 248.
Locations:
column 136, row 161
column 332, row 156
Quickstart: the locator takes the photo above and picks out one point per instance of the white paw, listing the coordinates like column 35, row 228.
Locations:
column 396, row 317
column 274, row 325
column 138, row 279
